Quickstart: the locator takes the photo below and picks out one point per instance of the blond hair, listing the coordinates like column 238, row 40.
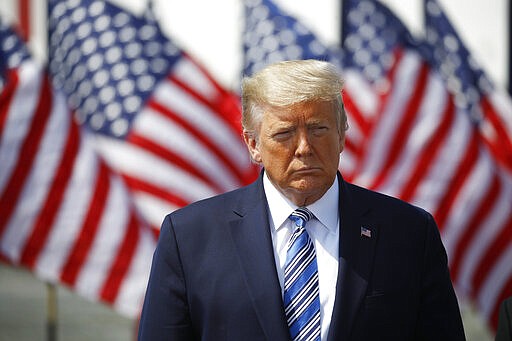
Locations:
column 287, row 83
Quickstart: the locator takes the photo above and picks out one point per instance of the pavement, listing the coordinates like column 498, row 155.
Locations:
column 23, row 314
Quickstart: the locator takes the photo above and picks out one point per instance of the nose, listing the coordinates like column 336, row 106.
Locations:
column 303, row 144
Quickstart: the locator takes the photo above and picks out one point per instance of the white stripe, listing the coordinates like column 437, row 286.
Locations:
column 71, row 215
column 206, row 121
column 154, row 127
column 361, row 93
column 138, row 163
column 491, row 227
column 131, row 292
column 111, row 231
column 36, row 187
column 494, row 282
column 428, row 120
column 19, row 118
column 186, row 71
column 502, row 103
column 152, row 208
column 468, row 200
column 440, row 176
column 382, row 137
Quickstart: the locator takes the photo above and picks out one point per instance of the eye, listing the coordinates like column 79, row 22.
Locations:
column 319, row 130
column 282, row 135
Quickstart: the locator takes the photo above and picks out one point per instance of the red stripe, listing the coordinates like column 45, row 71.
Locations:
column 501, row 146
column 430, row 152
column 122, row 261
column 45, row 220
column 352, row 147
column 83, row 243
column 474, row 226
column 383, row 100
column 27, row 154
column 225, row 103
column 7, row 96
column 467, row 164
column 24, row 13
column 244, row 176
column 355, row 114
column 172, row 158
column 137, row 185
column 501, row 241
column 405, row 126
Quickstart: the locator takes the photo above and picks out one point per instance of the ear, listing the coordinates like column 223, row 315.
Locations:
column 342, row 142
column 252, row 146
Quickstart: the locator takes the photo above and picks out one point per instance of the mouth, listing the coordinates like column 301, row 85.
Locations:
column 306, row 170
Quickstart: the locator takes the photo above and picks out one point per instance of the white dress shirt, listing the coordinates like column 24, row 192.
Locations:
column 323, row 231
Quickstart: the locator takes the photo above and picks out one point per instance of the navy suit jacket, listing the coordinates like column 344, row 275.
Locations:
column 214, row 276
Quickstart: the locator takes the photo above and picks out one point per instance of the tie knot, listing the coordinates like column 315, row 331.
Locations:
column 301, row 216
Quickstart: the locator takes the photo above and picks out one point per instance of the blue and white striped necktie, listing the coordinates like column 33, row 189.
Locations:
column 301, row 293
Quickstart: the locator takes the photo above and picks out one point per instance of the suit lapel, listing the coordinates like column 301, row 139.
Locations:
column 355, row 261
column 251, row 235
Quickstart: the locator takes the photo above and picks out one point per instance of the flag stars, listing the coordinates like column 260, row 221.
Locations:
column 78, row 15
column 120, row 20
column 96, row 8
column 119, row 127
column 433, row 9
column 83, row 30
column 101, row 23
column 113, row 110
column 106, row 39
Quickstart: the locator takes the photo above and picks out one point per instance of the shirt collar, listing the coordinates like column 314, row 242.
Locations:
column 325, row 209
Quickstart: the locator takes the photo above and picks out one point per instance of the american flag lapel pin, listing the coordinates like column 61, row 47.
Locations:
column 366, row 232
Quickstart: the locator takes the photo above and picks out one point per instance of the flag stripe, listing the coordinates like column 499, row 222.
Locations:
column 75, row 205
column 157, row 128
column 83, row 243
column 107, row 241
column 492, row 254
column 137, row 184
column 501, row 143
column 173, row 158
column 404, row 126
column 492, row 226
column 476, row 220
column 122, row 260
column 28, row 152
column 190, row 128
column 450, row 195
column 431, row 149
column 503, row 294
column 207, row 122
column 133, row 161
column 52, row 203
column 6, row 97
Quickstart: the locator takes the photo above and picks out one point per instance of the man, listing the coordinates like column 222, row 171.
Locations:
column 300, row 254
column 504, row 331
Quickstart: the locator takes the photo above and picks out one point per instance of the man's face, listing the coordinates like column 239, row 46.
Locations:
column 300, row 149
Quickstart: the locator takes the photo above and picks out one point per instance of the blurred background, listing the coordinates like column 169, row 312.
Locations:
column 102, row 127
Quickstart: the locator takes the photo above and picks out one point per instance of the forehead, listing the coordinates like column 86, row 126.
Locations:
column 309, row 111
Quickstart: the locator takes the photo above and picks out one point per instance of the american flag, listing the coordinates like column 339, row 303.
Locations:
column 479, row 243
column 158, row 118
column 127, row 128
column 63, row 213
column 421, row 129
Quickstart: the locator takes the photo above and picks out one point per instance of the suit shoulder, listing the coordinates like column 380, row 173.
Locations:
column 214, row 206
column 386, row 204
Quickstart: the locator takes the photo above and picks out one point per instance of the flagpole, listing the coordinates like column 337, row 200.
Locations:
column 51, row 316
column 509, row 48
